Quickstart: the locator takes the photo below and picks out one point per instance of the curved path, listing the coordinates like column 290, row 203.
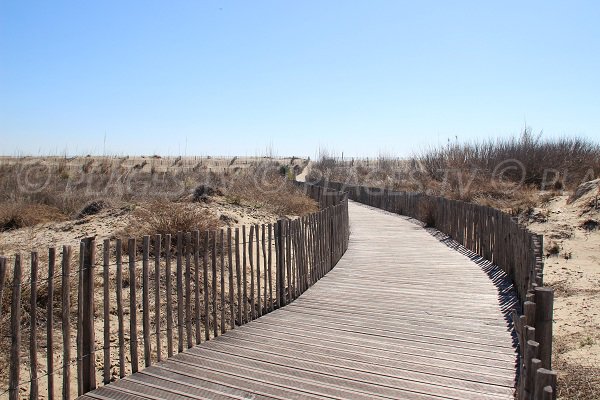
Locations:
column 402, row 316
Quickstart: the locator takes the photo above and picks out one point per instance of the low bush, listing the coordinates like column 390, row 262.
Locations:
column 22, row 215
column 266, row 188
column 163, row 217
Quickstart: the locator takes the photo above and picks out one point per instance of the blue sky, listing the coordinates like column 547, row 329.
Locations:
column 238, row 77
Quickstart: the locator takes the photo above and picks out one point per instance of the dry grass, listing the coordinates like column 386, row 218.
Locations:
column 270, row 189
column 575, row 381
column 34, row 190
column 161, row 216
column 513, row 175
column 528, row 159
column 20, row 215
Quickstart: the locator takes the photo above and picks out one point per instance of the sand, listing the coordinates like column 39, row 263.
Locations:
column 574, row 273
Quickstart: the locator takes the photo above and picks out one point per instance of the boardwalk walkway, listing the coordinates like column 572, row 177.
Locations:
column 402, row 316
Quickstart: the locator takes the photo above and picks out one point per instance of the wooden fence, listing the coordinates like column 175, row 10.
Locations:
column 497, row 237
column 124, row 305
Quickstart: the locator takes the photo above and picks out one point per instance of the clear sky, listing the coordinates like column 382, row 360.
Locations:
column 237, row 77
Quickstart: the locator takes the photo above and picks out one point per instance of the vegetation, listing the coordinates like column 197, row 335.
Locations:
column 39, row 190
column 511, row 174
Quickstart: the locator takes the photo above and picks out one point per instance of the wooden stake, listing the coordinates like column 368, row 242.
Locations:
column 250, row 257
column 119, row 256
column 157, row 305
column 66, row 323
column 133, row 341
column 106, row 310
column 244, row 275
column 2, row 280
column 205, row 282
column 230, row 264
column 15, row 332
column 197, row 313
column 169, row 288
column 33, row 359
column 146, row 300
column 188, row 290
column 50, row 323
column 222, row 280
column 180, row 305
column 237, row 274
column 214, row 286
column 269, row 266
column 89, row 351
column 259, row 294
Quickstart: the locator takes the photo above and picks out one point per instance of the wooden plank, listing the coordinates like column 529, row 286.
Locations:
column 179, row 282
column 197, row 308
column 544, row 301
column 214, row 285
column 119, row 295
column 157, row 302
column 279, row 278
column 543, row 379
column 251, row 260
column 269, row 265
column 146, row 300
column 288, row 257
column 79, row 337
column 50, row 323
column 133, row 341
column 205, row 283
column 89, row 340
column 33, row 348
column 265, row 269
column 258, row 276
column 276, row 304
column 15, row 332
column 222, row 279
column 238, row 277
column 188, row 290
column 244, row 275
column 2, row 281
column 106, row 310
column 169, row 294
column 66, row 321
column 231, row 278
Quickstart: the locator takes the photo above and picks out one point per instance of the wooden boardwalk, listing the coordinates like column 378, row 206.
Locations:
column 402, row 316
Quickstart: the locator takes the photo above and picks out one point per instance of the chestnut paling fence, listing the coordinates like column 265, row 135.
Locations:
column 70, row 325
column 499, row 238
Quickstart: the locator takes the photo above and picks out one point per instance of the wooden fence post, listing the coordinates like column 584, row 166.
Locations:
column 544, row 378
column 179, row 281
column 50, row 322
column 133, row 342
column 88, row 354
column 146, row 299
column 2, row 280
column 33, row 348
column 157, row 253
column 66, row 323
column 544, row 300
column 106, row 310
column 280, row 265
column 15, row 332
column 205, row 286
